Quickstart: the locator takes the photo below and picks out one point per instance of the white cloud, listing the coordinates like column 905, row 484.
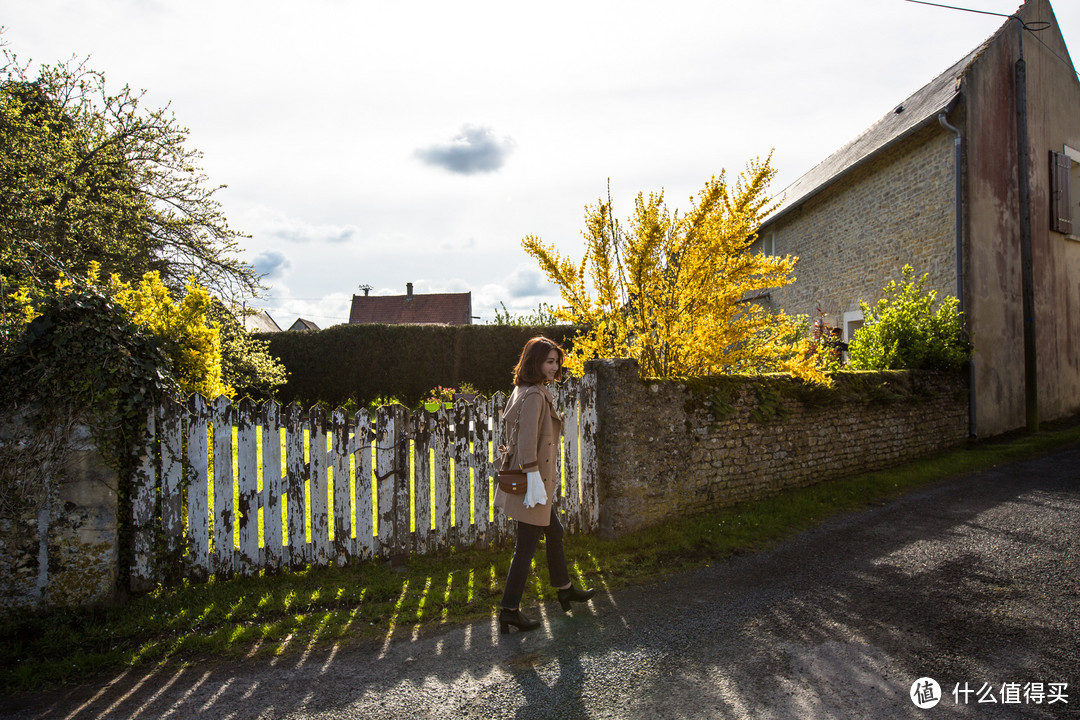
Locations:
column 268, row 223
column 330, row 310
column 456, row 245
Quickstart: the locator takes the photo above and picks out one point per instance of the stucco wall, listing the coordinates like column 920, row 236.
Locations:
column 993, row 221
column 854, row 237
column 667, row 448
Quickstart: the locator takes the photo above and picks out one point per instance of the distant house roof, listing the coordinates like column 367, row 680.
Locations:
column 302, row 324
column 911, row 115
column 260, row 321
column 410, row 309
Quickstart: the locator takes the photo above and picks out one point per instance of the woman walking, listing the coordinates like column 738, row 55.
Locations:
column 531, row 427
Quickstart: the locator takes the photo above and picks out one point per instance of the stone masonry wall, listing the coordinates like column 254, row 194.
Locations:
column 857, row 235
column 667, row 449
column 664, row 449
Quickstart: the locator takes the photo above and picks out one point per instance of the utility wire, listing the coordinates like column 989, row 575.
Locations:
column 286, row 299
column 953, row 7
column 1048, row 48
column 1030, row 28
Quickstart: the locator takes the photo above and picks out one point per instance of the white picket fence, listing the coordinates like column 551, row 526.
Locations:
column 230, row 489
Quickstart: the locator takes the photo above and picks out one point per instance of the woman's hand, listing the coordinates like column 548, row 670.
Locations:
column 535, row 494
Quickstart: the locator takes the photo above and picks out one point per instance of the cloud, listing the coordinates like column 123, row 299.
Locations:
column 528, row 281
column 264, row 221
column 271, row 263
column 519, row 293
column 475, row 149
column 458, row 245
column 332, row 309
column 300, row 232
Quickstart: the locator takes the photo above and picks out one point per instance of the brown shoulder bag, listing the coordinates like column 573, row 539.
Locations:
column 512, row 481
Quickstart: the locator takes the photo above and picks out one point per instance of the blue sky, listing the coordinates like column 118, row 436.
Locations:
column 379, row 143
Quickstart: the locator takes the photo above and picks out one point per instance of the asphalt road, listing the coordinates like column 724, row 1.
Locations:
column 974, row 583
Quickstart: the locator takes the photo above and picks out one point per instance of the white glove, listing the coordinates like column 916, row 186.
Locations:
column 535, row 494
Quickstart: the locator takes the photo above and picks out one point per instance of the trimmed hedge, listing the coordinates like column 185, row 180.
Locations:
column 365, row 362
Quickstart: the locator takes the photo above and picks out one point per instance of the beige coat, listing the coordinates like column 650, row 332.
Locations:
column 537, row 448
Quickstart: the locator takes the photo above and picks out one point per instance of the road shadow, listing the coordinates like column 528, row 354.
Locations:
column 974, row 580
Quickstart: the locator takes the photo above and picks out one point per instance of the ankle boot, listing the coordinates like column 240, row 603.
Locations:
column 572, row 594
column 508, row 617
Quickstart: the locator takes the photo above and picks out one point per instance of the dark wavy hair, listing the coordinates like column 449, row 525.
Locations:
column 529, row 369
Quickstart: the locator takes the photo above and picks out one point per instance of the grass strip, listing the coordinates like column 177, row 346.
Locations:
column 294, row 612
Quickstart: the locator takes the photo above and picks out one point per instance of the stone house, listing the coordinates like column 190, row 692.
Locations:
column 935, row 184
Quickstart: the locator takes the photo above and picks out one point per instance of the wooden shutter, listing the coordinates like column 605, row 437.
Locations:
column 1060, row 206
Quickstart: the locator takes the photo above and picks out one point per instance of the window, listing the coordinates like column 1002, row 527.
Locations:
column 853, row 320
column 1064, row 190
column 766, row 245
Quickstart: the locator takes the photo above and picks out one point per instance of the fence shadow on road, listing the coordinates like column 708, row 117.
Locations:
column 948, row 582
column 537, row 667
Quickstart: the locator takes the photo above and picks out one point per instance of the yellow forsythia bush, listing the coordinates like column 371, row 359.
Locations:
column 682, row 294
column 193, row 341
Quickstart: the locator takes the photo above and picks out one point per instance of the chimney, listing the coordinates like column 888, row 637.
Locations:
column 408, row 291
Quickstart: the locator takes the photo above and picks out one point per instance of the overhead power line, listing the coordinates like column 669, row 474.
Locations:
column 1032, row 28
column 953, row 7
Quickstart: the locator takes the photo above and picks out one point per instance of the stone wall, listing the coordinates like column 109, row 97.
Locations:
column 664, row 449
column 854, row 237
column 61, row 550
column 668, row 448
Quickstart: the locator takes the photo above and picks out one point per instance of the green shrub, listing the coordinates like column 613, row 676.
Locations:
column 904, row 331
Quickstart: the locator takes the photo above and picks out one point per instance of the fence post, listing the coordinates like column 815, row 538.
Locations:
column 273, row 488
column 385, row 471
column 500, row 530
column 296, row 476
column 198, row 486
column 422, row 422
column 143, row 495
column 481, row 467
column 364, row 546
column 342, row 495
column 443, row 485
column 463, row 534
column 247, row 515
column 401, row 484
column 170, row 431
column 224, row 507
column 319, row 487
